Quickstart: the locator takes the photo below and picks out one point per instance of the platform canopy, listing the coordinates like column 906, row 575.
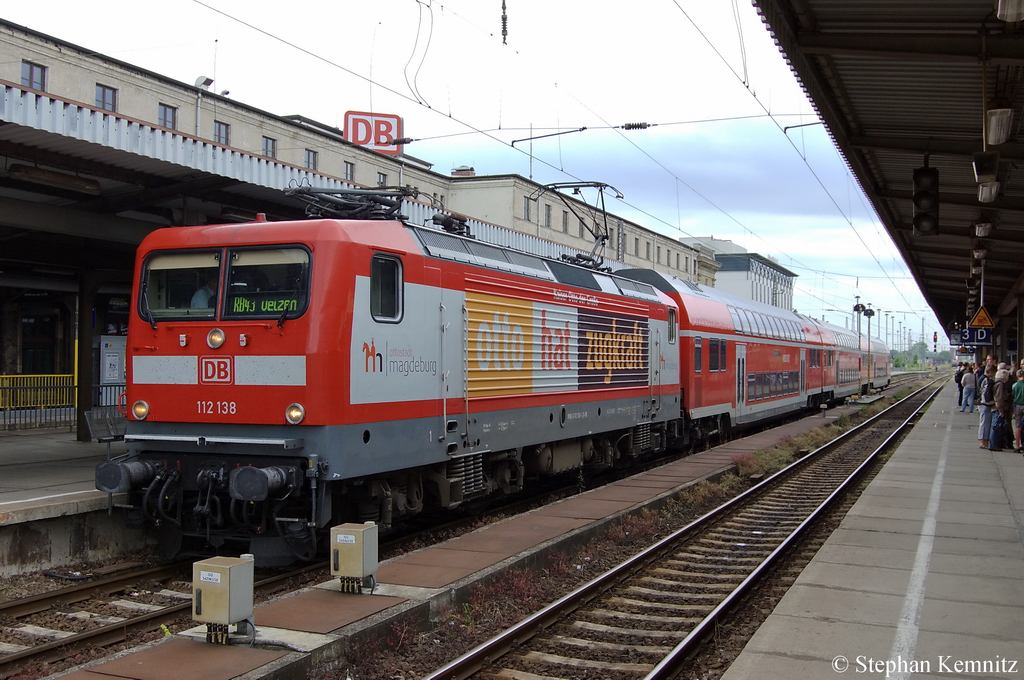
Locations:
column 905, row 84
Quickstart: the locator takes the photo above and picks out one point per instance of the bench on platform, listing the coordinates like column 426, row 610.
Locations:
column 106, row 425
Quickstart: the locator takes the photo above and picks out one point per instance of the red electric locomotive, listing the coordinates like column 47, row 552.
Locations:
column 283, row 376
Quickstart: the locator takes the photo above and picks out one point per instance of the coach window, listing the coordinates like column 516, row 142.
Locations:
column 671, row 326
column 698, row 359
column 748, row 322
column 722, row 355
column 759, row 320
column 713, row 354
column 386, row 289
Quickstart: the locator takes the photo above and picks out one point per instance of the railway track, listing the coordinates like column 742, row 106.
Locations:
column 645, row 617
column 56, row 625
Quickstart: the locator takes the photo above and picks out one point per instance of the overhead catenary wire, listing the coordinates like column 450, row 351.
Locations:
column 472, row 129
column 818, row 179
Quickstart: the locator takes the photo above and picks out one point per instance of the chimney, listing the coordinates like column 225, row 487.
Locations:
column 463, row 171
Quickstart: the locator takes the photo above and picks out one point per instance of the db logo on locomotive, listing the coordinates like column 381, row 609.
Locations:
column 215, row 370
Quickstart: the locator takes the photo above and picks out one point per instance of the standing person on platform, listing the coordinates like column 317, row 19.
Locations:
column 1002, row 410
column 958, row 379
column 1018, row 410
column 986, row 401
column 969, row 387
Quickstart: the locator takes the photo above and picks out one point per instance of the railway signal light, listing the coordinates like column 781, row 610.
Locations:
column 926, row 201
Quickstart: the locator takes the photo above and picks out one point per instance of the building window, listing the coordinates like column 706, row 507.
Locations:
column 677, row 260
column 547, row 215
column 565, row 221
column 310, row 158
column 526, row 208
column 269, row 148
column 647, row 250
column 659, row 254
column 167, row 116
column 611, row 237
column 106, row 98
column 583, row 225
column 221, row 133
column 33, row 75
column 350, row 171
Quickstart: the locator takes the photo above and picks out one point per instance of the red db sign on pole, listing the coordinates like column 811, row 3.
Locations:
column 376, row 131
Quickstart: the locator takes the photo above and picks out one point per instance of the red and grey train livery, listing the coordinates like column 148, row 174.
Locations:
column 371, row 369
column 356, row 370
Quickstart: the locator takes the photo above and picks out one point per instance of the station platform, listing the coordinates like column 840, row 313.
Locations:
column 923, row 578
column 41, row 470
column 316, row 625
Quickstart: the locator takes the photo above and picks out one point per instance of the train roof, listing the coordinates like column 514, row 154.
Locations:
column 828, row 333
column 432, row 241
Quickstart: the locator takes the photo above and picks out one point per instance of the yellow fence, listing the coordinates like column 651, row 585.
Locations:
column 36, row 391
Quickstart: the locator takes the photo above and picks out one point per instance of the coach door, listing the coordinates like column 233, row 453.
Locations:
column 741, row 382
column 803, row 372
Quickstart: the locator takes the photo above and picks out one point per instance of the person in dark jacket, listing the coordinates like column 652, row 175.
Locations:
column 1002, row 411
column 969, row 385
column 986, row 402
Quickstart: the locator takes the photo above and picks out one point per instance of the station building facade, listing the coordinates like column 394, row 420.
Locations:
column 748, row 275
column 98, row 152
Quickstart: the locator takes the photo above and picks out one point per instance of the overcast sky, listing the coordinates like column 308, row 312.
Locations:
column 717, row 163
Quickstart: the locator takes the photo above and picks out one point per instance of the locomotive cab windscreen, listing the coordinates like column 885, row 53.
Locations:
column 257, row 283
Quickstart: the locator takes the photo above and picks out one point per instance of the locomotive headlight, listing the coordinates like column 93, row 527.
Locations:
column 295, row 413
column 215, row 338
column 140, row 410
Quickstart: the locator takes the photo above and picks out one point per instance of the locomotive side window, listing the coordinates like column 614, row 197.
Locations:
column 386, row 289
column 267, row 283
column 671, row 326
column 180, row 285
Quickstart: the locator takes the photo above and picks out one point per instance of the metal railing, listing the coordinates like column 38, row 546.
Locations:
column 46, row 401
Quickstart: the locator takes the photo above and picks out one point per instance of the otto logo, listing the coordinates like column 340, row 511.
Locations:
column 500, row 346
column 215, row 369
column 376, row 131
